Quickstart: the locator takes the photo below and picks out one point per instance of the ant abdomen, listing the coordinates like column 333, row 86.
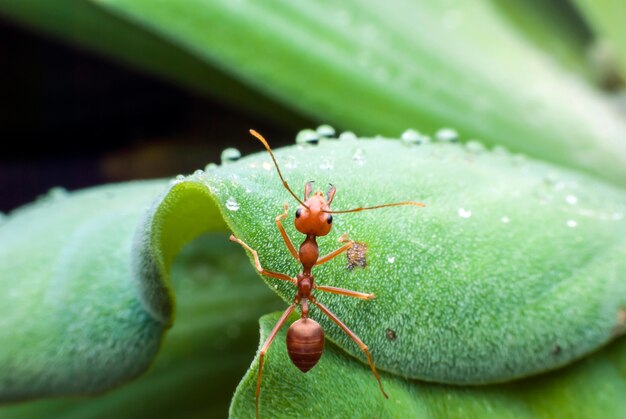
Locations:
column 305, row 343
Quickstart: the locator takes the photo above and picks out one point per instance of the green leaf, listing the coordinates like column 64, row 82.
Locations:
column 339, row 386
column 384, row 67
column 205, row 354
column 514, row 267
column 70, row 317
column 606, row 17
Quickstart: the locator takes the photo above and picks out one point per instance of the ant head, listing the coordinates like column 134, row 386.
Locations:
column 313, row 217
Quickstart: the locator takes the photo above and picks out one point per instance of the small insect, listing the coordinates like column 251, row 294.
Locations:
column 305, row 337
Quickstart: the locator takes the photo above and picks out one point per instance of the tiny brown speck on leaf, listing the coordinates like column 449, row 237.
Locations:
column 391, row 334
column 556, row 350
column 356, row 256
column 620, row 325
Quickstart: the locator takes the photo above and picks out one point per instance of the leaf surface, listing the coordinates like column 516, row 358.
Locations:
column 513, row 268
column 71, row 321
column 340, row 387
column 204, row 355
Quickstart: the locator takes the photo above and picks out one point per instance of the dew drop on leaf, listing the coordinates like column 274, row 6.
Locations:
column 347, row 136
column 230, row 155
column 57, row 193
column 232, row 204
column 359, row 157
column 447, row 135
column 464, row 213
column 307, row 136
column 411, row 136
column 325, row 131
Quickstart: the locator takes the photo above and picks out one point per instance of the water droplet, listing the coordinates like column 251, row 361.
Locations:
column 464, row 213
column 266, row 165
column 447, row 135
column 326, row 164
column 57, row 193
column 290, row 162
column 180, row 178
column 325, row 131
column 505, row 219
column 391, row 259
column 232, row 204
column 571, row 199
column 230, row 155
column 347, row 136
column 198, row 173
column 572, row 223
column 210, row 167
column 474, row 146
column 307, row 136
column 411, row 136
column 359, row 157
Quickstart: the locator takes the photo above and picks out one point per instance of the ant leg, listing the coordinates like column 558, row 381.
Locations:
column 266, row 346
column 332, row 255
column 356, row 340
column 257, row 263
column 283, row 233
column 348, row 293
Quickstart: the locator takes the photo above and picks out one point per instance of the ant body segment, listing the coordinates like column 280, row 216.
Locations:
column 305, row 337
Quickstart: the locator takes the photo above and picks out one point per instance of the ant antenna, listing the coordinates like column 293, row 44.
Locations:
column 396, row 204
column 269, row 150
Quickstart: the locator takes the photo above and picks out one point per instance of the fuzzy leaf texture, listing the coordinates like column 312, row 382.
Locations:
column 71, row 321
column 340, row 387
column 514, row 267
column 219, row 301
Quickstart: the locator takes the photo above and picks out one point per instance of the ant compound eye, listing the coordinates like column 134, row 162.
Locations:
column 298, row 212
column 329, row 220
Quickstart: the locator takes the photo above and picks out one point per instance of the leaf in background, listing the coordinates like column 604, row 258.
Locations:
column 70, row 317
column 341, row 387
column 513, row 268
column 219, row 301
column 381, row 66
column 607, row 18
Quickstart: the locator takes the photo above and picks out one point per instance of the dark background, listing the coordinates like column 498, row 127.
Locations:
column 74, row 119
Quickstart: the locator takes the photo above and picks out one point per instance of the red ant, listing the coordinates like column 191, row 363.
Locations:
column 305, row 337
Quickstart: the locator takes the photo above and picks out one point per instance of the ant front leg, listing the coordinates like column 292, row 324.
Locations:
column 283, row 233
column 257, row 263
column 356, row 340
column 332, row 255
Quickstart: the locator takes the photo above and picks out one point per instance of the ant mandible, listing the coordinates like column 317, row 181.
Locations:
column 305, row 337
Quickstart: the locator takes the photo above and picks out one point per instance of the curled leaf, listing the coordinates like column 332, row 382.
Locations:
column 70, row 317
